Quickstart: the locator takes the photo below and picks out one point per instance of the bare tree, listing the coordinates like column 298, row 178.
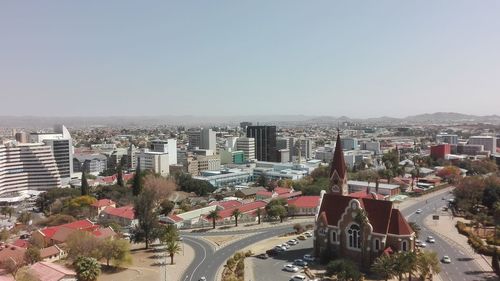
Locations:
column 162, row 187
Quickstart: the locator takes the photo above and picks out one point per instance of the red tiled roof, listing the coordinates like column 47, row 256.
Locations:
column 104, row 232
column 338, row 162
column 10, row 251
column 264, row 193
column 175, row 218
column 290, row 195
column 49, row 251
column 46, row 271
column 305, row 201
column 244, row 209
column 363, row 194
column 21, row 243
column 103, row 203
column 81, row 224
column 399, row 225
column 227, row 204
column 281, row 190
column 123, row 212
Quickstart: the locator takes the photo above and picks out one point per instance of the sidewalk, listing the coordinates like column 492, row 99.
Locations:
column 447, row 230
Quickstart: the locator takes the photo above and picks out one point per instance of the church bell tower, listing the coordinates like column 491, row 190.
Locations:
column 338, row 170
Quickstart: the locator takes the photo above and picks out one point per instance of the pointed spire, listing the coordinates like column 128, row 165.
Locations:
column 338, row 169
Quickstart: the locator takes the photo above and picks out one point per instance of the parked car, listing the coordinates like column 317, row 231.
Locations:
column 446, row 259
column 298, row 278
column 301, row 237
column 418, row 211
column 203, row 278
column 430, row 239
column 308, row 258
column 263, row 256
column 279, row 248
column 300, row 262
column 290, row 268
column 293, row 242
column 285, row 245
column 308, row 234
column 272, row 252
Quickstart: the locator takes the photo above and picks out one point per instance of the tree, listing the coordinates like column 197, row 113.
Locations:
column 57, row 219
column 145, row 207
column 83, row 243
column 87, row 269
column 173, row 248
column 292, row 210
column 449, row 173
column 32, row 255
column 214, row 216
column 137, row 183
column 162, row 187
column 298, row 228
column 408, row 261
column 24, row 218
column 46, row 199
column 10, row 211
column 4, row 235
column 3, row 211
column 80, row 206
column 277, row 211
column 236, row 214
column 166, row 206
column 169, row 233
column 262, row 180
column 85, row 189
column 345, row 270
column 385, row 267
column 259, row 213
column 415, row 227
column 186, row 183
column 117, row 250
column 12, row 266
column 24, row 274
column 119, row 177
column 428, row 262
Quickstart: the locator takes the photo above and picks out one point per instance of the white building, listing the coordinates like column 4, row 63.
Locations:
column 208, row 163
column 29, row 166
column 488, row 142
column 371, row 146
column 204, row 138
column 247, row 145
column 158, row 162
column 62, row 148
column 447, row 138
column 169, row 146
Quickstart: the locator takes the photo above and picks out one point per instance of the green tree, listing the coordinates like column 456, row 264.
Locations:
column 169, row 233
column 87, row 269
column 138, row 182
column 214, row 216
column 24, row 218
column 4, row 235
column 46, row 199
column 236, row 214
column 427, row 263
column 173, row 248
column 345, row 270
column 166, row 206
column 117, row 250
column 32, row 255
column 277, row 211
column 262, row 180
column 146, row 213
column 85, row 188
column 119, row 177
column 385, row 267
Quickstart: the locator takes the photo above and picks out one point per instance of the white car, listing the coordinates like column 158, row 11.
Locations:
column 300, row 262
column 422, row 245
column 308, row 234
column 280, row 248
column 285, row 245
column 203, row 278
column 308, row 258
column 293, row 242
column 298, row 278
column 290, row 268
column 418, row 211
column 446, row 259
column 430, row 239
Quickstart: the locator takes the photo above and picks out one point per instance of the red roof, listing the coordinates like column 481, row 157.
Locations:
column 49, row 232
column 21, row 243
column 123, row 212
column 227, row 204
column 363, row 194
column 338, row 162
column 175, row 218
column 104, row 232
column 305, row 201
column 127, row 177
column 282, row 190
column 290, row 195
column 103, row 203
column 244, row 209
column 398, row 224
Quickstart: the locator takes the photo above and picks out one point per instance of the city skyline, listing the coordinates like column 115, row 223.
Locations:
column 281, row 58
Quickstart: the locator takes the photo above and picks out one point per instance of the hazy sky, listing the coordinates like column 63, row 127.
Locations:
column 354, row 58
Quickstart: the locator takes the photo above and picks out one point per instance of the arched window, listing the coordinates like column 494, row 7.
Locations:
column 404, row 246
column 334, row 236
column 377, row 245
column 354, row 236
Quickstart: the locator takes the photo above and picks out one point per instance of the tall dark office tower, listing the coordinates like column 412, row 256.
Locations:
column 265, row 142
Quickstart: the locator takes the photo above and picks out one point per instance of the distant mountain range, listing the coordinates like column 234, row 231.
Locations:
column 190, row 120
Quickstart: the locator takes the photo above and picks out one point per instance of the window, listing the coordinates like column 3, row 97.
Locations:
column 334, row 236
column 354, row 236
column 404, row 246
column 377, row 245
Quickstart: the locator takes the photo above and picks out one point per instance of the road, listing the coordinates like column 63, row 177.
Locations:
column 208, row 261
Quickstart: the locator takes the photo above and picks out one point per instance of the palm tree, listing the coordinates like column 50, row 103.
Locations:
column 214, row 215
column 259, row 213
column 427, row 263
column 173, row 248
column 384, row 266
column 236, row 214
column 410, row 263
column 87, row 269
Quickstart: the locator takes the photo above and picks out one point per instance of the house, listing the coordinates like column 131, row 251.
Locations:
column 278, row 192
column 47, row 271
column 305, row 205
column 102, row 204
column 11, row 252
column 249, row 193
column 123, row 216
column 360, row 229
column 226, row 204
column 52, row 253
column 248, row 213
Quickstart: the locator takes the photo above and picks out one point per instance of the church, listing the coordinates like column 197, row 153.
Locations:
column 360, row 229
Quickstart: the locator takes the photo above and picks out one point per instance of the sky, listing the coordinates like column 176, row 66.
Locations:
column 221, row 58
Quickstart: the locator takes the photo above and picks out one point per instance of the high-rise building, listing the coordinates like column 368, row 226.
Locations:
column 371, row 146
column 265, row 142
column 62, row 148
column 489, row 142
column 282, row 143
column 169, row 146
column 132, row 153
column 204, row 139
column 29, row 166
column 349, row 143
column 447, row 138
column 244, row 125
column 247, row 145
column 302, row 145
column 157, row 162
column 22, row 137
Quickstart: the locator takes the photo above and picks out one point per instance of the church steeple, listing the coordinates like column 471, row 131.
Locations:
column 338, row 170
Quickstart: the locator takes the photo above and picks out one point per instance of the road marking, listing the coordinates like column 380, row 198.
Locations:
column 204, row 257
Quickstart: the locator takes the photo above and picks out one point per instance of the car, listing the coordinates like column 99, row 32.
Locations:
column 430, row 239
column 308, row 258
column 285, row 245
column 262, row 256
column 418, row 211
column 279, row 248
column 203, row 278
column 300, row 262
column 308, row 234
column 446, row 259
column 290, row 268
column 293, row 242
column 422, row 245
column 445, row 208
column 272, row 252
column 298, row 278
column 301, row 237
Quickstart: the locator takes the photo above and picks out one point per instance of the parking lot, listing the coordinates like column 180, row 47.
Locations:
column 272, row 268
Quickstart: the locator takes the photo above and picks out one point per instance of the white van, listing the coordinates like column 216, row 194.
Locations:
column 298, row 278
